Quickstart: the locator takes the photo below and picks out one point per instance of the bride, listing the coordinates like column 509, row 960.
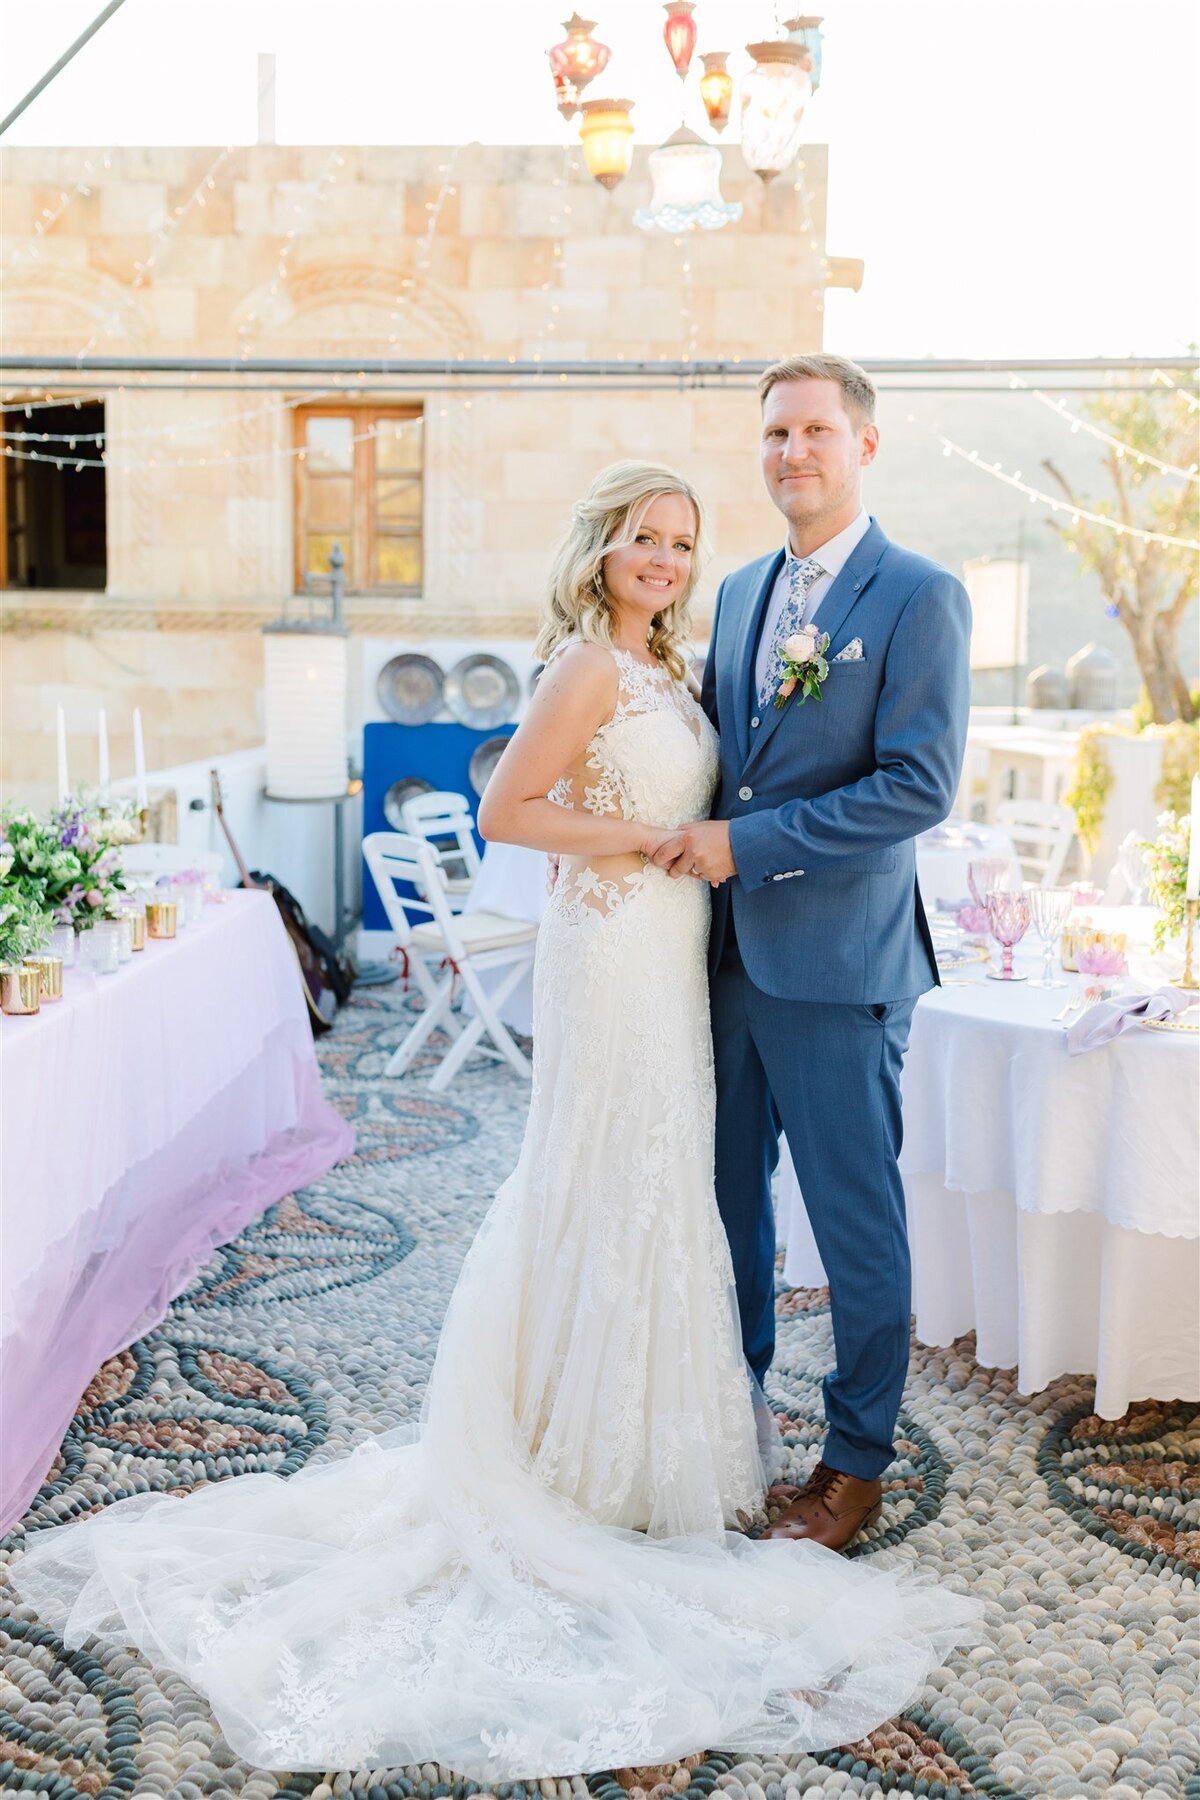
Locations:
column 549, row 1574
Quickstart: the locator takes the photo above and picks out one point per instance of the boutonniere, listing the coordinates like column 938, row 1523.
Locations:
column 804, row 665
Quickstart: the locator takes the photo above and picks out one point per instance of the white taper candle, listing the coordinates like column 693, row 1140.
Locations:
column 1192, row 890
column 139, row 759
column 63, row 782
column 102, row 774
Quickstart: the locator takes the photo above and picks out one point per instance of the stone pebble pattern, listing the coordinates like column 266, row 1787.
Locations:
column 318, row 1327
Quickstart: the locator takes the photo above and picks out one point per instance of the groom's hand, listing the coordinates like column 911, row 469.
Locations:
column 702, row 850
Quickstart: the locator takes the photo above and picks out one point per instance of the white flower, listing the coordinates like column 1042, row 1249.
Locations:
column 800, row 647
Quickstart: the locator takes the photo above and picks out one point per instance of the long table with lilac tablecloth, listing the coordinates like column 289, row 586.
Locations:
column 1051, row 1198
column 147, row 1117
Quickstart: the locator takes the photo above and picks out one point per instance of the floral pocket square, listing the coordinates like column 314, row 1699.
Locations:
column 853, row 652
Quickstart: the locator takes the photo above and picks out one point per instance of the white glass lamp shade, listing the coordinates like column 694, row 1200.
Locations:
column 773, row 97
column 687, row 187
column 306, row 714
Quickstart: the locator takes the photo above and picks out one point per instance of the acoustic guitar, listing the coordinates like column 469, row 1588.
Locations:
column 325, row 977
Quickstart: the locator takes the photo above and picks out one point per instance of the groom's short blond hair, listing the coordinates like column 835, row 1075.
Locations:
column 858, row 390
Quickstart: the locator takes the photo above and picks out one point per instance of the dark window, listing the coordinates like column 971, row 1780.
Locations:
column 53, row 512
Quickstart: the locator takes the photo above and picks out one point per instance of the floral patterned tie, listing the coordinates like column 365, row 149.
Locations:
column 803, row 573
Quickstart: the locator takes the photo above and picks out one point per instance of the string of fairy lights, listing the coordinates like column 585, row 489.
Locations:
column 108, row 442
column 1077, row 514
column 1142, row 458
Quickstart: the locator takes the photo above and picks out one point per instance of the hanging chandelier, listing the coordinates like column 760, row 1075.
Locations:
column 773, row 98
column 686, row 173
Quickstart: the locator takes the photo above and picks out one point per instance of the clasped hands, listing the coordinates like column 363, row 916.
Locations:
column 701, row 850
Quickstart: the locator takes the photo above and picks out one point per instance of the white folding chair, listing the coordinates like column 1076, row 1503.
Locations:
column 444, row 819
column 1042, row 832
column 464, row 944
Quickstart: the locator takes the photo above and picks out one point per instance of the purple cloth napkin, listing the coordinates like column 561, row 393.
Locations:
column 1109, row 1018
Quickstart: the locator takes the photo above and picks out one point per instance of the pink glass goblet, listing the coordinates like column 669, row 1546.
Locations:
column 988, row 875
column 1008, row 918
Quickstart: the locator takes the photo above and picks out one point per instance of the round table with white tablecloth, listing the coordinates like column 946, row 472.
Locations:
column 1051, row 1198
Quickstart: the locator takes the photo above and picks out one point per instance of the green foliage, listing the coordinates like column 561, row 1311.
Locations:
column 1167, row 861
column 1150, row 585
column 25, row 924
column 1091, row 778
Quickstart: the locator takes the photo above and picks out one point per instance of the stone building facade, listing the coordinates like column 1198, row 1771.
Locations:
column 300, row 253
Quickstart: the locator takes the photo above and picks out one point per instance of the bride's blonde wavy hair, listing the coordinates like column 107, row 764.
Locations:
column 607, row 519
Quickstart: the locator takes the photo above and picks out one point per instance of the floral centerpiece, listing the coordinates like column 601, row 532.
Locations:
column 1167, row 861
column 69, row 863
column 25, row 925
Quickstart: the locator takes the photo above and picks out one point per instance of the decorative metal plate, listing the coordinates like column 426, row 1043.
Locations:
column 407, row 788
column 482, row 691
column 410, row 688
column 484, row 761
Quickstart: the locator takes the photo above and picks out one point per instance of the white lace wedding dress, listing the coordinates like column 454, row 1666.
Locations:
column 539, row 1579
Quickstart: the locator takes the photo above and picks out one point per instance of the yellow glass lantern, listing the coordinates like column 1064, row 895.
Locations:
column 606, row 131
column 716, row 88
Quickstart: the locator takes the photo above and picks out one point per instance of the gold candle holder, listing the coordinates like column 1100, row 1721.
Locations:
column 138, row 921
column 20, row 989
column 1188, row 978
column 50, row 971
column 161, row 918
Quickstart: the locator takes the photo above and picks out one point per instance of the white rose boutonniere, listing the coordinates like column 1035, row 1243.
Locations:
column 804, row 664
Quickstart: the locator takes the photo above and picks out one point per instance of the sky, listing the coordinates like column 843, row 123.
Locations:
column 1016, row 174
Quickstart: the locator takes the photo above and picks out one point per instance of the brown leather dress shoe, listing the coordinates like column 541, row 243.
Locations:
column 830, row 1509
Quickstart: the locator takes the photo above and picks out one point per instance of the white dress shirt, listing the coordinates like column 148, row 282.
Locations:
column 832, row 557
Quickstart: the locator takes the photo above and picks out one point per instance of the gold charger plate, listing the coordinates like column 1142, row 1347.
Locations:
column 959, row 959
column 1190, row 1022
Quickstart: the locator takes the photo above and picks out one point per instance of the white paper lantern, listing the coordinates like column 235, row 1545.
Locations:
column 306, row 713
column 998, row 587
column 687, row 187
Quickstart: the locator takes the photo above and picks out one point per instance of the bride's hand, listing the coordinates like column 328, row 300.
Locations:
column 655, row 839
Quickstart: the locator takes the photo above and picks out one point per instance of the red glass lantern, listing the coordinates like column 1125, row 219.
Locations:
column 679, row 34
column 716, row 88
column 566, row 96
column 579, row 57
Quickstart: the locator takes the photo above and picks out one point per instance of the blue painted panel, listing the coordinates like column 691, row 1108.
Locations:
column 439, row 754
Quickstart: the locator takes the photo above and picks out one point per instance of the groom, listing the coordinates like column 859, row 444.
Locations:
column 819, row 946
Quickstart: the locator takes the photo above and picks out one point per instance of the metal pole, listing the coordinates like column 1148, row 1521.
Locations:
column 62, row 62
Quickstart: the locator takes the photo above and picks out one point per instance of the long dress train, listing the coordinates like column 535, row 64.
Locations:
column 545, row 1576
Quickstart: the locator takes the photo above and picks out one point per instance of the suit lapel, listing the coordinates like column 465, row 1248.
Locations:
column 745, row 644
column 835, row 608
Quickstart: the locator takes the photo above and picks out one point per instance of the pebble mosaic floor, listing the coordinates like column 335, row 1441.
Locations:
column 319, row 1325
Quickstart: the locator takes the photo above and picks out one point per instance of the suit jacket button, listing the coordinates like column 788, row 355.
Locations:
column 745, row 793
column 756, row 721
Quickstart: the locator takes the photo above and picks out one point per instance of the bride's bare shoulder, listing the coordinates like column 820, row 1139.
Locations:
column 579, row 669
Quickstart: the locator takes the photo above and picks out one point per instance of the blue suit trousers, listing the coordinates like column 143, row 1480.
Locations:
column 828, row 1075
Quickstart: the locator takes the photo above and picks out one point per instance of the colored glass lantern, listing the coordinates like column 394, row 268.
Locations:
column 606, row 132
column 579, row 58
column 679, row 34
column 773, row 97
column 687, row 187
column 716, row 88
column 806, row 31
column 566, row 96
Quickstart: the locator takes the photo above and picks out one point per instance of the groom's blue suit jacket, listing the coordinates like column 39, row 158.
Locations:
column 825, row 798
